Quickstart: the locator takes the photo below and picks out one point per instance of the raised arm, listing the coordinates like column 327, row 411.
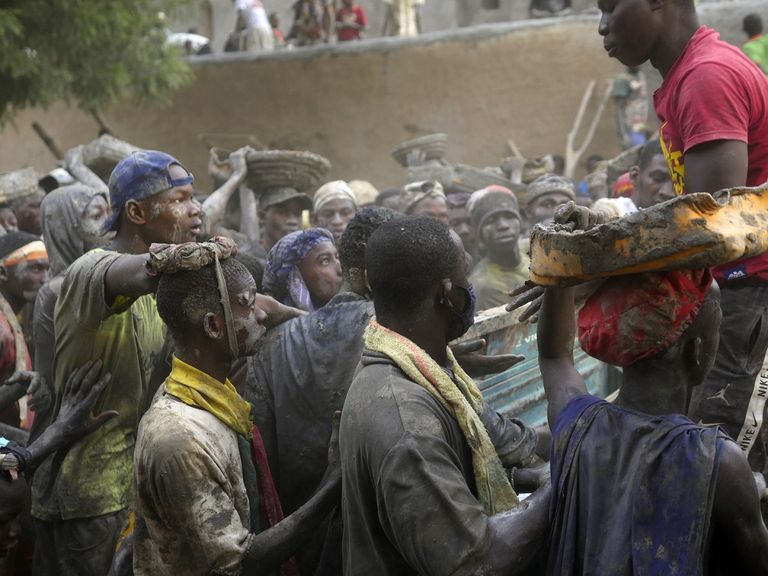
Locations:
column 133, row 275
column 73, row 162
column 215, row 206
column 556, row 332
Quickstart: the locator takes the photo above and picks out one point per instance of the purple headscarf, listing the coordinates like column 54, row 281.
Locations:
column 282, row 279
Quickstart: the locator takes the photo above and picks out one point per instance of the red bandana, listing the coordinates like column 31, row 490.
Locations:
column 630, row 318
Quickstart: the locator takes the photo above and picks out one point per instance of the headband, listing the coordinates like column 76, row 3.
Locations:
column 32, row 251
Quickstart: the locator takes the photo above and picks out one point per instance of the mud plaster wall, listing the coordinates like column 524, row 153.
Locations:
column 481, row 85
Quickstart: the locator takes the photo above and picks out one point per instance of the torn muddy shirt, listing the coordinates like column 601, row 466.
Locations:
column 296, row 381
column 409, row 499
column 631, row 493
column 126, row 335
column 192, row 507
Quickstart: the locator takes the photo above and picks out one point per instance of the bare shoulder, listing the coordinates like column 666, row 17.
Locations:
column 736, row 512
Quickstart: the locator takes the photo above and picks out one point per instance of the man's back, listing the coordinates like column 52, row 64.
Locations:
column 190, row 496
column 408, row 497
column 635, row 492
column 296, row 381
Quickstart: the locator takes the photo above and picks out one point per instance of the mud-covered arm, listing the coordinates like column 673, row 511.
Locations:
column 249, row 219
column 736, row 514
column 556, row 332
column 215, row 206
column 75, row 418
column 73, row 162
column 515, row 442
column 266, row 551
column 518, row 536
column 10, row 393
column 132, row 275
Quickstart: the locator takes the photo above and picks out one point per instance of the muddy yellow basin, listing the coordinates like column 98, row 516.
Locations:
column 694, row 231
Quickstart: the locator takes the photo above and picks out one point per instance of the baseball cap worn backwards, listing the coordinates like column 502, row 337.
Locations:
column 142, row 174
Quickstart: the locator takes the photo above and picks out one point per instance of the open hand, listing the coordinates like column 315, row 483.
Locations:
column 79, row 397
column 476, row 364
column 524, row 294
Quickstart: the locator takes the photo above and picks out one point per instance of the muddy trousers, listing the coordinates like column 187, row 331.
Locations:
column 735, row 392
column 79, row 547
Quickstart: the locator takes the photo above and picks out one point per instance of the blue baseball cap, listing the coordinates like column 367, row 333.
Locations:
column 142, row 174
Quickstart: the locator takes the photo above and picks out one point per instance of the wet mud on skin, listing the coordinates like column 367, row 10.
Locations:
column 693, row 231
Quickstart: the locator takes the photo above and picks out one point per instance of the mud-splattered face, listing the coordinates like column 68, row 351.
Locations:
column 321, row 272
column 173, row 216
column 630, row 29
column 247, row 317
column 8, row 219
column 28, row 213
column 653, row 183
column 13, row 499
column 92, row 220
column 434, row 206
column 544, row 207
column 23, row 280
column 500, row 230
column 334, row 216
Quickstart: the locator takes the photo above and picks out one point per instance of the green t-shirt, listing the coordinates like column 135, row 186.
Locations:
column 96, row 474
column 757, row 51
column 493, row 282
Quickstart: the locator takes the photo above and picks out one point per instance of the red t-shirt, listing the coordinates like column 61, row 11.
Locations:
column 714, row 92
column 355, row 15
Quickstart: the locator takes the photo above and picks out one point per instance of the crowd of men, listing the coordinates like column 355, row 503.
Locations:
column 186, row 394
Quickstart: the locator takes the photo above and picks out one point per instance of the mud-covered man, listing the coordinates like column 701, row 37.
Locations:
column 639, row 488
column 199, row 504
column 106, row 309
column 423, row 457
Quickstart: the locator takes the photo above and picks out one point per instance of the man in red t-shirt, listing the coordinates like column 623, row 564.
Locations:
column 713, row 108
column 351, row 21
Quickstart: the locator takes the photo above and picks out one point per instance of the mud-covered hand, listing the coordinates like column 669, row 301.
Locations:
column 73, row 157
column 170, row 258
column 578, row 217
column 276, row 312
column 42, row 397
column 527, row 293
column 470, row 357
column 27, row 378
column 237, row 160
column 81, row 393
